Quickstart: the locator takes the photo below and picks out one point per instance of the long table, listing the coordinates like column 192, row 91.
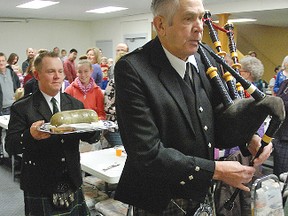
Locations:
column 4, row 121
column 104, row 164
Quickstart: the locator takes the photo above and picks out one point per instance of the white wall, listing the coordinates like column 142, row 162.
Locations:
column 46, row 34
column 115, row 29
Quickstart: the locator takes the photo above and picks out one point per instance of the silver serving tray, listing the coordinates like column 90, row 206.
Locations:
column 79, row 128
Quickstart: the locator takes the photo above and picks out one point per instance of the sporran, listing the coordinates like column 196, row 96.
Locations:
column 63, row 197
column 204, row 210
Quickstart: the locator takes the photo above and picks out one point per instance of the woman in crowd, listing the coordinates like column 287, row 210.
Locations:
column 94, row 55
column 280, row 142
column 281, row 75
column 252, row 70
column 29, row 72
column 112, row 135
column 84, row 89
column 12, row 62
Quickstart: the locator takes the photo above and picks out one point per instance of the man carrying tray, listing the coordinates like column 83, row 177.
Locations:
column 50, row 174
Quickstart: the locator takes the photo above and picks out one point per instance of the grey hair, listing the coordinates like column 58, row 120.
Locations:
column 166, row 8
column 285, row 61
column 252, row 65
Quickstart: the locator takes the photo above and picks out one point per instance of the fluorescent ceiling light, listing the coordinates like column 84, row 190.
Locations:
column 37, row 4
column 108, row 9
column 238, row 20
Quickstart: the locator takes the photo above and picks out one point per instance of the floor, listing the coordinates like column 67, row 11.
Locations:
column 11, row 197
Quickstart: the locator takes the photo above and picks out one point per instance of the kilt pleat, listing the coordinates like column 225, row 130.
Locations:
column 280, row 156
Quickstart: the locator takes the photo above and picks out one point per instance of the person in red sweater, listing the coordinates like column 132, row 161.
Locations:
column 69, row 66
column 84, row 89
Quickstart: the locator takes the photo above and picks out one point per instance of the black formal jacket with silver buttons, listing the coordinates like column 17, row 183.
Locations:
column 164, row 157
column 43, row 161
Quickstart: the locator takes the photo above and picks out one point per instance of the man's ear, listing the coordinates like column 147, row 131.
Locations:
column 160, row 25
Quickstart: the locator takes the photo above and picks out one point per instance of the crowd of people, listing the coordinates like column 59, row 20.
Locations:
column 102, row 68
column 18, row 80
column 165, row 112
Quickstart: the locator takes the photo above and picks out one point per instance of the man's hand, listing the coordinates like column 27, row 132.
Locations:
column 233, row 174
column 253, row 147
column 36, row 134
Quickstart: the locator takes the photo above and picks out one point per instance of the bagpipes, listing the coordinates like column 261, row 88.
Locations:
column 238, row 118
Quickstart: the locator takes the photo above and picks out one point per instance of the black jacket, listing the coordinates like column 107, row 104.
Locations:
column 44, row 160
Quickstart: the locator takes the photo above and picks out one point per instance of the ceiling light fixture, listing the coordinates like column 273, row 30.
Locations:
column 37, row 4
column 108, row 9
column 238, row 20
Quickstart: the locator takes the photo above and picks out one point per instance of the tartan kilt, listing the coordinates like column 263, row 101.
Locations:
column 42, row 206
column 280, row 156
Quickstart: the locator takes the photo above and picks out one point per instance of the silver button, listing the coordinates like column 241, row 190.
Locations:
column 209, row 145
column 22, row 135
column 191, row 177
column 197, row 168
column 182, row 182
column 201, row 109
column 63, row 159
column 62, row 141
column 205, row 128
column 21, row 142
column 30, row 162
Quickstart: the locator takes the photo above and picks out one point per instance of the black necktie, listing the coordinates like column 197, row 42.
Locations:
column 187, row 78
column 54, row 103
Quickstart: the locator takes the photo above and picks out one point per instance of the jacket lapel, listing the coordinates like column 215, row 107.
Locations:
column 43, row 108
column 41, row 105
column 65, row 103
column 168, row 77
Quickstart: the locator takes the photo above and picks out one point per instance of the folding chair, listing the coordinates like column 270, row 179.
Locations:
column 266, row 197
